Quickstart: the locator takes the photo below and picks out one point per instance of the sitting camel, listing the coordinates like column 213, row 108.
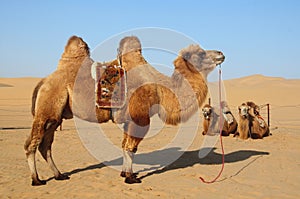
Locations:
column 251, row 124
column 210, row 116
column 58, row 97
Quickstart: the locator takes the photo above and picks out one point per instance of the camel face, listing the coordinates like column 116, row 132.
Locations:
column 243, row 110
column 203, row 61
column 206, row 111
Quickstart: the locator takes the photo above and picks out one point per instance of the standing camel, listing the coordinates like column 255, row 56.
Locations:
column 56, row 98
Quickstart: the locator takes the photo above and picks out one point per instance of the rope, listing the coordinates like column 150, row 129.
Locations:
column 220, row 128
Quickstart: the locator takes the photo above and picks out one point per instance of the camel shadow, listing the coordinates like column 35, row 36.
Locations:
column 78, row 170
column 158, row 163
column 191, row 158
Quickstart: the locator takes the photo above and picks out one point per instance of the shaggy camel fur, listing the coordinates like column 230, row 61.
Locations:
column 230, row 124
column 251, row 124
column 146, row 87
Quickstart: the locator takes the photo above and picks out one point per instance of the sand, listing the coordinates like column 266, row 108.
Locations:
column 267, row 168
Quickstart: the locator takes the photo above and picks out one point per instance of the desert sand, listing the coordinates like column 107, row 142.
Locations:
column 267, row 168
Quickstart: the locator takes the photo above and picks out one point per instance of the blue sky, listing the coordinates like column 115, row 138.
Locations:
column 256, row 36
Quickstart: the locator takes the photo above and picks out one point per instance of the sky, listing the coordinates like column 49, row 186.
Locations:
column 256, row 36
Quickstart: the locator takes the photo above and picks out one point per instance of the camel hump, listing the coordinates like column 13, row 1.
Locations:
column 129, row 44
column 76, row 47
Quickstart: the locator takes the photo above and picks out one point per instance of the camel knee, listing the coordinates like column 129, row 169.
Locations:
column 31, row 145
column 46, row 143
column 36, row 139
column 43, row 149
column 131, row 143
column 125, row 136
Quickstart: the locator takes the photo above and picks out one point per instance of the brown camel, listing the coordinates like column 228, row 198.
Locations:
column 251, row 124
column 209, row 114
column 62, row 95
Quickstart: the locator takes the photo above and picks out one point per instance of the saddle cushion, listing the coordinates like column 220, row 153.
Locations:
column 110, row 86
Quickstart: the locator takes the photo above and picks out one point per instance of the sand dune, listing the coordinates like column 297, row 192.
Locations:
column 268, row 168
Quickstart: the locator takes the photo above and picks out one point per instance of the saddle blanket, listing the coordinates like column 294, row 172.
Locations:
column 111, row 89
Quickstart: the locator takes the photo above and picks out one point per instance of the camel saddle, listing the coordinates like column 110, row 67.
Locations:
column 111, row 86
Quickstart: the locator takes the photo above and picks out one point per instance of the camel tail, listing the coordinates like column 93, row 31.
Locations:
column 34, row 95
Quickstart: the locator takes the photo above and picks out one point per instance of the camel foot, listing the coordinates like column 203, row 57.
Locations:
column 38, row 182
column 132, row 180
column 123, row 174
column 62, row 177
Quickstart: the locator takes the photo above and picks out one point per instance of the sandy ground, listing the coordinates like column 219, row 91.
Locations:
column 268, row 168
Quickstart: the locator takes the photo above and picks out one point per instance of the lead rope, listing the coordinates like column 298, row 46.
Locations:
column 220, row 129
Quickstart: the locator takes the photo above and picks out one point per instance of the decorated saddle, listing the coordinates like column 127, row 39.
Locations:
column 110, row 85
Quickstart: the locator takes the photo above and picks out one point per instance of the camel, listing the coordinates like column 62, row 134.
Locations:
column 52, row 102
column 69, row 91
column 251, row 124
column 230, row 124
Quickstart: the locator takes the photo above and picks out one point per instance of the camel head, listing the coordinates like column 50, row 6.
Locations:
column 206, row 111
column 200, row 60
column 244, row 110
column 76, row 47
column 255, row 108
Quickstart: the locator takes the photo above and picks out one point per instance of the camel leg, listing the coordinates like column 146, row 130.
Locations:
column 45, row 149
column 123, row 172
column 126, row 156
column 131, row 140
column 57, row 174
column 30, row 147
